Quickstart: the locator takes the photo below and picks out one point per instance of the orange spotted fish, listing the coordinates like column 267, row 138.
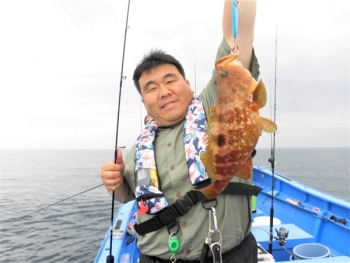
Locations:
column 234, row 125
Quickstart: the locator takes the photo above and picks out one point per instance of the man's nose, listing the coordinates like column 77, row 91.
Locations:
column 164, row 91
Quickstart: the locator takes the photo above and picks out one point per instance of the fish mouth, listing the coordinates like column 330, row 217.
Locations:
column 227, row 61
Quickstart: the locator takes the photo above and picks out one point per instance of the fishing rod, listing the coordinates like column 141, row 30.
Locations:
column 272, row 159
column 36, row 211
column 110, row 257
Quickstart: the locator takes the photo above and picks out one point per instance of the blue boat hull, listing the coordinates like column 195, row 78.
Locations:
column 311, row 217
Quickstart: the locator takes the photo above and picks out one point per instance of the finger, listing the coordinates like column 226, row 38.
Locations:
column 119, row 157
column 110, row 166
column 114, row 184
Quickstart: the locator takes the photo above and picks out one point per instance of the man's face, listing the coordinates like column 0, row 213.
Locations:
column 165, row 94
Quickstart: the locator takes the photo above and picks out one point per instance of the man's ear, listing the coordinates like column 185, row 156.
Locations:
column 189, row 84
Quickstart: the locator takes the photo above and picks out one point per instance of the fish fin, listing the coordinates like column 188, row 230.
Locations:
column 252, row 87
column 212, row 112
column 212, row 116
column 245, row 172
column 267, row 125
column 208, row 163
column 212, row 109
column 259, row 94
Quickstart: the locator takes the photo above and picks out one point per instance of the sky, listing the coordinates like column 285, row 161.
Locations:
column 60, row 67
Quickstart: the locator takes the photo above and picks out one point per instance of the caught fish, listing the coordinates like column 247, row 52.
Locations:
column 234, row 125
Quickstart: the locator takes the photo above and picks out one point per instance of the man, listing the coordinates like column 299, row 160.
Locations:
column 168, row 98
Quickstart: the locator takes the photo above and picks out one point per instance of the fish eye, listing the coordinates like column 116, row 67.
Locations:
column 223, row 73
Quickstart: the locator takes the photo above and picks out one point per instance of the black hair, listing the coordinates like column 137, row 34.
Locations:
column 152, row 60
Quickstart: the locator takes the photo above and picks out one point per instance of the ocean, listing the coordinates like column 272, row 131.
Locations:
column 72, row 230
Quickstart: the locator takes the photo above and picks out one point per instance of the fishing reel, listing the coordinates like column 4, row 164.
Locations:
column 282, row 234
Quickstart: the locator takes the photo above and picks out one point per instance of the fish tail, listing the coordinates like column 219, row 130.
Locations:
column 210, row 191
column 214, row 189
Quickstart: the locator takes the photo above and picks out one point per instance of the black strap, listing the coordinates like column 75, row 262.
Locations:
column 182, row 205
column 241, row 189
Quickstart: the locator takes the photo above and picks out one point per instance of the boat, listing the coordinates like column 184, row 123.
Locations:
column 307, row 224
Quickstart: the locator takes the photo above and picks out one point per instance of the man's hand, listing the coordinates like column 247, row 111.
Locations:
column 112, row 173
column 245, row 36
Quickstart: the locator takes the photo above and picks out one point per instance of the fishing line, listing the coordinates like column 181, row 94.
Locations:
column 110, row 257
column 272, row 159
column 52, row 205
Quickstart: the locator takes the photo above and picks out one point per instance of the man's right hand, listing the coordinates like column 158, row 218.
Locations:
column 112, row 173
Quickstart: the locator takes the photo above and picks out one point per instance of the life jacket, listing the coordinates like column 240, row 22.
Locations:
column 149, row 198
